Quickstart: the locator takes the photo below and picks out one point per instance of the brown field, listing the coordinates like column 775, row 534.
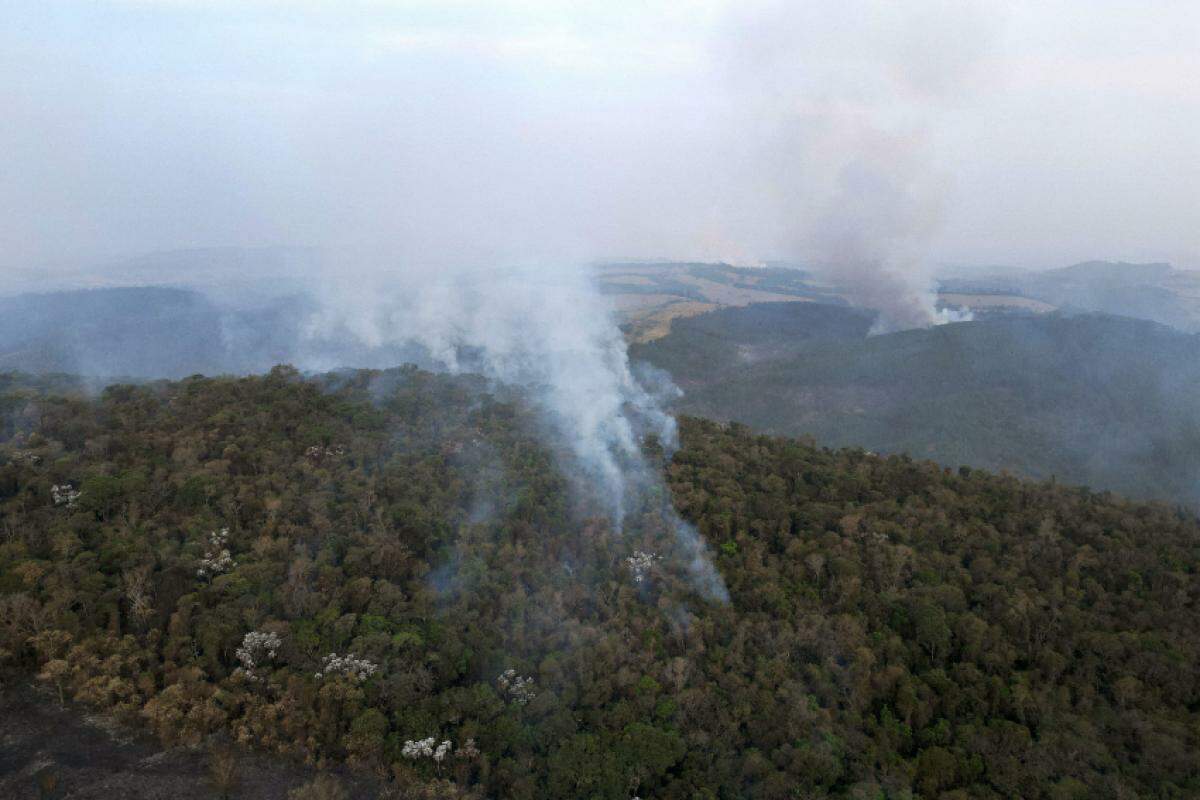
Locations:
column 727, row 295
column 649, row 316
column 656, row 323
column 634, row 301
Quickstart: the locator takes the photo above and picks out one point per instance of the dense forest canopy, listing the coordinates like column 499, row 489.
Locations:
column 394, row 570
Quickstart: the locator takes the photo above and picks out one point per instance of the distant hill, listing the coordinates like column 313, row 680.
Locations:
column 649, row 295
column 245, row 326
column 154, row 332
column 240, row 270
column 1155, row 292
column 136, row 332
column 1106, row 401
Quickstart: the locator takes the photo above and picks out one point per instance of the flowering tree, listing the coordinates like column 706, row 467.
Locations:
column 258, row 647
column 316, row 454
column 64, row 495
column 424, row 748
column 349, row 666
column 519, row 689
column 217, row 558
column 640, row 563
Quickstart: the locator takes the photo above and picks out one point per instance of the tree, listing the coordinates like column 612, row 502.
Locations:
column 56, row 672
column 936, row 770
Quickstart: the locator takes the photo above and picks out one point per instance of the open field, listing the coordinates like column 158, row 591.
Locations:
column 649, row 296
column 657, row 323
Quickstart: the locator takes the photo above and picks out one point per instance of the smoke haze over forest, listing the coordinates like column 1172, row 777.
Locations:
column 440, row 173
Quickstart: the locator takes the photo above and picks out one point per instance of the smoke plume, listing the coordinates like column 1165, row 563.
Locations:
column 546, row 330
column 841, row 101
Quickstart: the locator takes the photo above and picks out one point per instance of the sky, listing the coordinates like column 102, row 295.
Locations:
column 1033, row 134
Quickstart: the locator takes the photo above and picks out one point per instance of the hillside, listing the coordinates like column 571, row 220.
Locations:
column 894, row 629
column 1155, row 292
column 647, row 296
column 1104, row 401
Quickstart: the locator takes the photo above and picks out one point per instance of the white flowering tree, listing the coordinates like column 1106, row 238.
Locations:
column 640, row 564
column 519, row 689
column 64, row 495
column 347, row 666
column 437, row 753
column 316, row 453
column 258, row 649
column 217, row 559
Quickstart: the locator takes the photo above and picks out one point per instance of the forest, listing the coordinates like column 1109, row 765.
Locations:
column 1109, row 402
column 398, row 573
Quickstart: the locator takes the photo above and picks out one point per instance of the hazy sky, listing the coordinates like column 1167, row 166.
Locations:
column 1029, row 133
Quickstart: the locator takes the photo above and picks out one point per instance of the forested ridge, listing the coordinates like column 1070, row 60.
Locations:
column 1109, row 402
column 394, row 570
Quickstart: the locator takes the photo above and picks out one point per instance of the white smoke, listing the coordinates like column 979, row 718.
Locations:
column 546, row 330
column 839, row 103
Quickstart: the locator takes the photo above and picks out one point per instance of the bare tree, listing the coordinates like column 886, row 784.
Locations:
column 139, row 594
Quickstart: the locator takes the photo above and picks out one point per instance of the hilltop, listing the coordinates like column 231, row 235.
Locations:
column 1156, row 292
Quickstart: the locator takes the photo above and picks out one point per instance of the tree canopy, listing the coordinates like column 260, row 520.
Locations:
column 394, row 569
